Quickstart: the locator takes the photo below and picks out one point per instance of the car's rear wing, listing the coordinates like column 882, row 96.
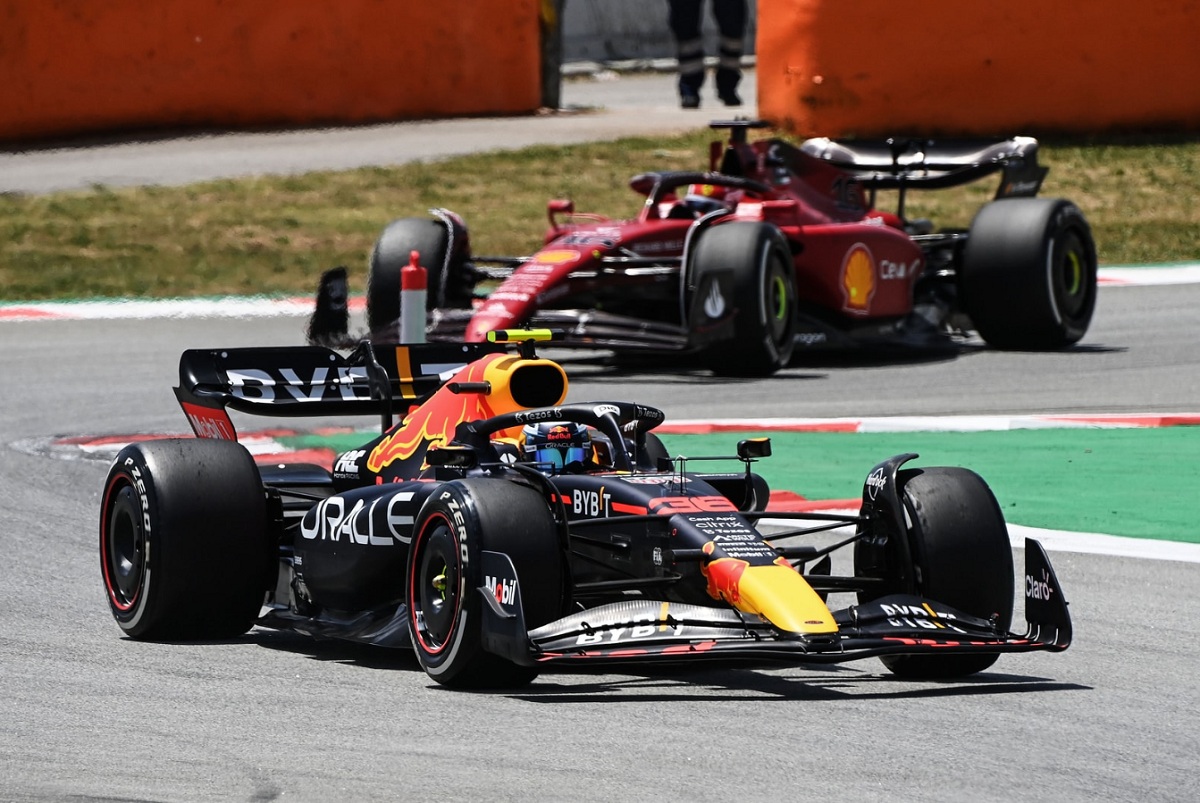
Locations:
column 313, row 380
column 900, row 163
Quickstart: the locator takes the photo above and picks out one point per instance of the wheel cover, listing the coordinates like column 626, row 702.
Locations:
column 1071, row 288
column 1074, row 274
column 434, row 593
column 123, row 549
column 778, row 303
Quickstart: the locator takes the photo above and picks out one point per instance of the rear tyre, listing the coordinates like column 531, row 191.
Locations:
column 960, row 556
column 430, row 239
column 745, row 266
column 460, row 520
column 184, row 540
column 654, row 451
column 1028, row 276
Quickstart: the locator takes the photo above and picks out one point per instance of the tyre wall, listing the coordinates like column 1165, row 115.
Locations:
column 71, row 67
column 877, row 67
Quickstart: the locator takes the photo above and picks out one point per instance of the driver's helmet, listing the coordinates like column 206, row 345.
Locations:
column 556, row 444
column 705, row 198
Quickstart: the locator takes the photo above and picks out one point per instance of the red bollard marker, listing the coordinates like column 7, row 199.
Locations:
column 413, row 281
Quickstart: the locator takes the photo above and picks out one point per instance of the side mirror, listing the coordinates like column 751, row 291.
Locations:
column 754, row 448
column 453, row 456
column 556, row 208
column 643, row 183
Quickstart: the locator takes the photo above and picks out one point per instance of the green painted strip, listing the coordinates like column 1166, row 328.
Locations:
column 1132, row 482
column 339, row 442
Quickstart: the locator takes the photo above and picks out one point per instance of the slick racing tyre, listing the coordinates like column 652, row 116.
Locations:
column 431, row 240
column 1028, row 274
column 960, row 555
column 184, row 546
column 445, row 604
column 745, row 268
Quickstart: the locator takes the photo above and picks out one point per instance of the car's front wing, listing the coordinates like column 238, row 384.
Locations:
column 641, row 631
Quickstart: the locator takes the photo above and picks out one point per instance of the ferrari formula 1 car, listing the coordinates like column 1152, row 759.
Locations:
column 500, row 532
column 776, row 248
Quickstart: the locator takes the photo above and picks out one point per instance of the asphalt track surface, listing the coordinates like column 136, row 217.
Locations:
column 88, row 715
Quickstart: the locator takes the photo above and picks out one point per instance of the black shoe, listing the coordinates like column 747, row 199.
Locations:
column 730, row 98
column 689, row 99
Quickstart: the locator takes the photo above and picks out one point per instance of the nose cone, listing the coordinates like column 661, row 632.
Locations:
column 781, row 596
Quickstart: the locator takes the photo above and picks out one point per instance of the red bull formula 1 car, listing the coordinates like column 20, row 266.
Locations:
column 777, row 247
column 500, row 532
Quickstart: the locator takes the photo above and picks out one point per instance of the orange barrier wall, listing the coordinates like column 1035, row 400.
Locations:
column 79, row 66
column 873, row 67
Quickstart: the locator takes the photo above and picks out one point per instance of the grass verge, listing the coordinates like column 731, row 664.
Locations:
column 275, row 235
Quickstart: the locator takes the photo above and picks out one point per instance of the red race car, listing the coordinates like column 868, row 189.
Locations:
column 776, row 248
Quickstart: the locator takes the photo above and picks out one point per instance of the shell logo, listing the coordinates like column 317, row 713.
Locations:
column 555, row 257
column 858, row 279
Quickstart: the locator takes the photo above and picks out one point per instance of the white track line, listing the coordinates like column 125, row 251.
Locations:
column 1066, row 541
column 265, row 307
column 942, row 423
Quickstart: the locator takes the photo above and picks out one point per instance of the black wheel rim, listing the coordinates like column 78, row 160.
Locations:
column 124, row 548
column 435, row 586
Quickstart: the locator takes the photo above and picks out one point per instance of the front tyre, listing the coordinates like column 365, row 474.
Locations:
column 184, row 544
column 456, row 524
column 746, row 267
column 958, row 554
column 447, row 286
column 1028, row 274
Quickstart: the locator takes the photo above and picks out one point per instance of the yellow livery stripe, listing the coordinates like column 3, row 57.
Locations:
column 781, row 596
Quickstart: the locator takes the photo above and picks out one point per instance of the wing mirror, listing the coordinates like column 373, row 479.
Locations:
column 754, row 448
column 453, row 456
column 558, row 207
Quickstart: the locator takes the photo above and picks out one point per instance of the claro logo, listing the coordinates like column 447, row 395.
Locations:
column 1038, row 589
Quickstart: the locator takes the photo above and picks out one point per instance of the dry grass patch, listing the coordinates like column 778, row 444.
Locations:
column 275, row 235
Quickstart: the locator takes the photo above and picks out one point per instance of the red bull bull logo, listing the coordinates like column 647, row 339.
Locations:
column 559, row 433
column 724, row 576
column 433, row 423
